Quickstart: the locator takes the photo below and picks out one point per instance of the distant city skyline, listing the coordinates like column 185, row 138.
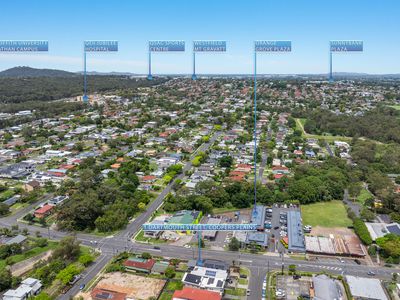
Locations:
column 309, row 25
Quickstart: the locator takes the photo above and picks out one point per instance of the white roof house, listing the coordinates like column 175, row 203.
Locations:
column 206, row 278
column 28, row 288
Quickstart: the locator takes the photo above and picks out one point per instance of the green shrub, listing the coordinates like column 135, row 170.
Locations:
column 362, row 231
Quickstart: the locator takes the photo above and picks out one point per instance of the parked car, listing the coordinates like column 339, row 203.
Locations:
column 280, row 294
column 371, row 273
column 357, row 261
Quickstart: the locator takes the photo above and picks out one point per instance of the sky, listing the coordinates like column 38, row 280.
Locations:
column 309, row 24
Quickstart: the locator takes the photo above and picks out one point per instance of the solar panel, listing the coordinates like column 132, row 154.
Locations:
column 211, row 273
column 192, row 278
column 104, row 295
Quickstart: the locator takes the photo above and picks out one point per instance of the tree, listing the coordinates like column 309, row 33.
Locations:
column 5, row 279
column 367, row 215
column 292, row 268
column 234, row 244
column 66, row 275
column 68, row 249
column 170, row 272
column 254, row 247
column 141, row 206
column 86, row 259
column 4, row 209
column 390, row 245
column 41, row 242
column 146, row 255
column 226, row 161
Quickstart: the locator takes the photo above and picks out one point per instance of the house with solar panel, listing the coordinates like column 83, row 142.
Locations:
column 206, row 278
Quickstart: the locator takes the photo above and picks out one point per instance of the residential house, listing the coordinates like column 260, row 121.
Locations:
column 31, row 186
column 43, row 211
column 103, row 294
column 139, row 264
column 206, row 278
column 188, row 293
column 29, row 287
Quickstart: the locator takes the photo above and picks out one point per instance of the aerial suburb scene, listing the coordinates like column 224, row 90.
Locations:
column 200, row 150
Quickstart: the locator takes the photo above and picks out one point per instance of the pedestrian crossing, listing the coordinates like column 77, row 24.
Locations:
column 330, row 268
column 321, row 267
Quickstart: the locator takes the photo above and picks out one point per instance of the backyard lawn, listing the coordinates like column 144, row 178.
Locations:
column 325, row 214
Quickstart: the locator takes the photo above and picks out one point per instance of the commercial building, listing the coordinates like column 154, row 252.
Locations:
column 258, row 217
column 186, row 217
column 295, row 232
column 326, row 288
column 260, row 238
column 345, row 245
column 211, row 234
column 362, row 288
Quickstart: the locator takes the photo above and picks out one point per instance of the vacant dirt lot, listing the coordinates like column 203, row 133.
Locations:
column 136, row 287
column 335, row 231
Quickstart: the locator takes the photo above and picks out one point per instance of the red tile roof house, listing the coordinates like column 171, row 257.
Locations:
column 139, row 264
column 148, row 178
column 236, row 178
column 44, row 211
column 280, row 170
column 164, row 134
column 66, row 167
column 278, row 176
column 188, row 293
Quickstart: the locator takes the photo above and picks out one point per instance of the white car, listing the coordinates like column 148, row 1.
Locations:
column 280, row 293
column 187, row 246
